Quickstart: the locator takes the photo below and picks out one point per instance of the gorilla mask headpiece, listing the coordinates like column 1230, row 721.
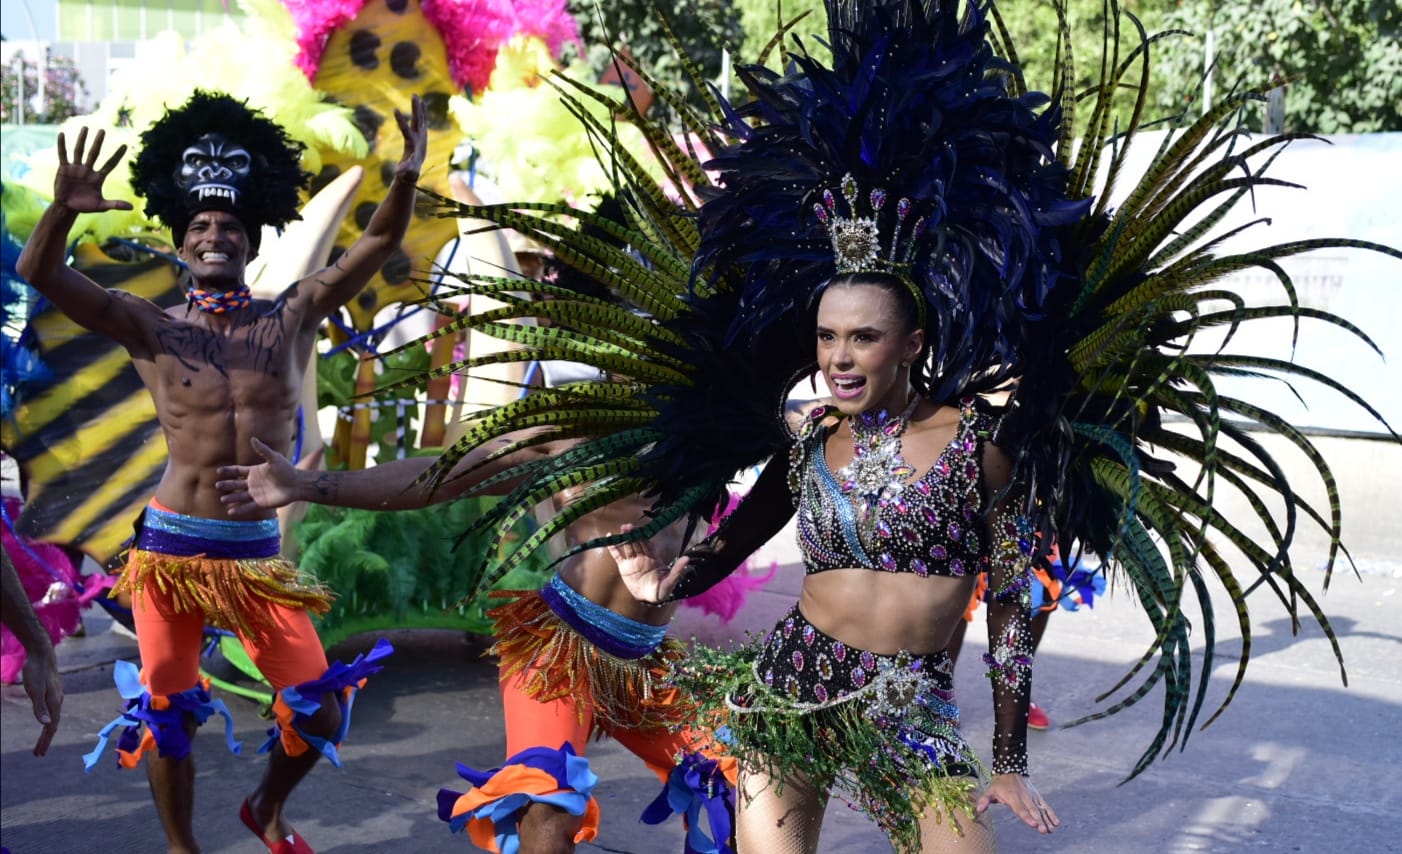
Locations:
column 214, row 153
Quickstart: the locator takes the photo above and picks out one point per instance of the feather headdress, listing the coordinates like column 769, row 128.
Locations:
column 909, row 153
column 1027, row 271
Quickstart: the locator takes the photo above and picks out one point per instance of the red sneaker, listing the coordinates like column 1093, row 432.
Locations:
column 1036, row 718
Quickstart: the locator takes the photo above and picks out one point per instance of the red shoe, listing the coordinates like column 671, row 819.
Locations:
column 293, row 844
column 1036, row 718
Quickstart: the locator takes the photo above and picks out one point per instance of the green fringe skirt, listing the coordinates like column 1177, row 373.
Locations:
column 881, row 730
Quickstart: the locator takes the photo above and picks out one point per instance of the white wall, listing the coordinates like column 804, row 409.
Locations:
column 1354, row 190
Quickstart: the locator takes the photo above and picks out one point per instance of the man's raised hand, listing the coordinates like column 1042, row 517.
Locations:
column 415, row 130
column 78, row 182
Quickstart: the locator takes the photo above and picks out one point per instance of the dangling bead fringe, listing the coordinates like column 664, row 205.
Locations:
column 559, row 660
column 228, row 592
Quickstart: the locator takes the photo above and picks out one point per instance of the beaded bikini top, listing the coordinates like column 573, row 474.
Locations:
column 869, row 516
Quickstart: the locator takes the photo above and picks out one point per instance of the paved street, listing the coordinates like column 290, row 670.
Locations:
column 1298, row 763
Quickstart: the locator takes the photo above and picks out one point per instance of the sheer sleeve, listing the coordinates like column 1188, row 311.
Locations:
column 1009, row 656
column 762, row 514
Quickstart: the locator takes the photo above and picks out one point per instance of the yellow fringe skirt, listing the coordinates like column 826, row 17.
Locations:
column 555, row 660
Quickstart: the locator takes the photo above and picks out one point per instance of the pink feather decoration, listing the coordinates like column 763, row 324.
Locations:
column 473, row 31
column 550, row 21
column 727, row 597
column 51, row 582
column 316, row 20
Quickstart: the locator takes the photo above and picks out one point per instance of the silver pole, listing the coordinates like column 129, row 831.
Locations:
column 19, row 82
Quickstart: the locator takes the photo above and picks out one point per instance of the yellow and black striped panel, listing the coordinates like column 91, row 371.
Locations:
column 89, row 443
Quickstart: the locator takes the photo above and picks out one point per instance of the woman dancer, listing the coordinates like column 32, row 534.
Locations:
column 916, row 161
column 852, row 687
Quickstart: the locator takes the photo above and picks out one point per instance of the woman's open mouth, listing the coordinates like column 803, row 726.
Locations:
column 847, row 386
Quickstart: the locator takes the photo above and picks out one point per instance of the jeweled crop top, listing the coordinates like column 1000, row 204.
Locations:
column 869, row 515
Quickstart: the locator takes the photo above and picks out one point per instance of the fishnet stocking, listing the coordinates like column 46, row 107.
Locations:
column 974, row 837
column 770, row 823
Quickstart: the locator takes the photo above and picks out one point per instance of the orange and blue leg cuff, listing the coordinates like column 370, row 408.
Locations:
column 490, row 811
column 1066, row 587
column 295, row 704
column 156, row 721
column 699, row 786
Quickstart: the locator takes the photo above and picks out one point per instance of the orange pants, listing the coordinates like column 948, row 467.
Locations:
column 536, row 723
column 287, row 652
column 559, row 691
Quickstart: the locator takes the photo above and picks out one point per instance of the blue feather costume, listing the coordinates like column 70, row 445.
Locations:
column 1030, row 282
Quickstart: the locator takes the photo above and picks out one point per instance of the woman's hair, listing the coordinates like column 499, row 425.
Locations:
column 908, row 312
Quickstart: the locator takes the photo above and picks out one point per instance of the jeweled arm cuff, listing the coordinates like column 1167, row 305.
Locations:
column 1016, row 764
column 1010, row 556
column 1009, row 659
column 1009, row 656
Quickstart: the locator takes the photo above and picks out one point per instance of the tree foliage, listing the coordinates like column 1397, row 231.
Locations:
column 703, row 27
column 65, row 93
column 760, row 20
column 1341, row 59
column 1032, row 26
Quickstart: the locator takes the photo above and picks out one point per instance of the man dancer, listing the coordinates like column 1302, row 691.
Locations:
column 580, row 658
column 222, row 369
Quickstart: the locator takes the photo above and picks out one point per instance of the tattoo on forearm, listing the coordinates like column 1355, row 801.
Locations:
column 328, row 488
column 339, row 265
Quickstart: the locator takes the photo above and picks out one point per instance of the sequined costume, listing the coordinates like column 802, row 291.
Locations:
column 184, row 572
column 926, row 527
column 882, row 729
column 1051, row 255
column 572, row 671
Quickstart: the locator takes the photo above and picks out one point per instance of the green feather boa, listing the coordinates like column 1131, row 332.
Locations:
column 405, row 569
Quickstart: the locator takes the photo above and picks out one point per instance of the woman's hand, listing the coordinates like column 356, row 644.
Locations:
column 646, row 579
column 414, row 127
column 1022, row 798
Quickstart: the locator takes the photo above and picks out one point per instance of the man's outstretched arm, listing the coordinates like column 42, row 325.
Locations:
column 389, row 486
column 331, row 287
column 44, row 261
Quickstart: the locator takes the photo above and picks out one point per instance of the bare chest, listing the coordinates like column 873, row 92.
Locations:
column 197, row 367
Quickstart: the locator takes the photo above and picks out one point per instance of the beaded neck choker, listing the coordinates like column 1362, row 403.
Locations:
column 877, row 471
column 214, row 302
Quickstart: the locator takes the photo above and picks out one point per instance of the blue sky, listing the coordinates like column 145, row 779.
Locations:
column 16, row 24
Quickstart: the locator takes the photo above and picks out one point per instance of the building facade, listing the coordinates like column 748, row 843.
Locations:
column 101, row 36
